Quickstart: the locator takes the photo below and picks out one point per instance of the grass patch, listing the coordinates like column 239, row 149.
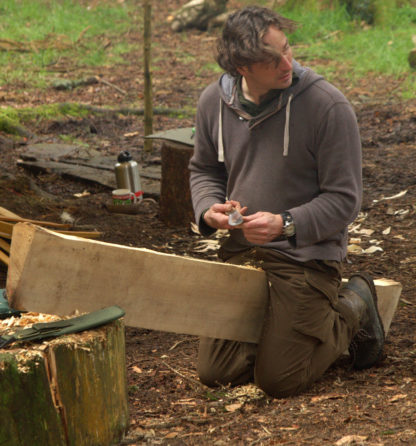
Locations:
column 367, row 50
column 12, row 120
column 69, row 139
column 41, row 34
column 54, row 111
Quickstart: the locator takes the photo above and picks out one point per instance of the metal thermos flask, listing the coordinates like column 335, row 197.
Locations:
column 127, row 174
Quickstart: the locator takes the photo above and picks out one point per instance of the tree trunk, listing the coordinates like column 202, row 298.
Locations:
column 70, row 391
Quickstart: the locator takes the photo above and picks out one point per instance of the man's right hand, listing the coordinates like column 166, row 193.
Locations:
column 217, row 215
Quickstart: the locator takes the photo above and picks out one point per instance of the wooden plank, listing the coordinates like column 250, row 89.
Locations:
column 6, row 213
column 58, row 274
column 83, row 234
column 36, row 222
column 4, row 258
column 5, row 246
column 150, row 186
column 76, row 171
column 388, row 294
column 6, row 228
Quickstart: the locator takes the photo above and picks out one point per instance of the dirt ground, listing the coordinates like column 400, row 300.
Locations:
column 167, row 404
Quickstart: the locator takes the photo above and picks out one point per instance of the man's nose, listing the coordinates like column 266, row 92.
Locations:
column 285, row 63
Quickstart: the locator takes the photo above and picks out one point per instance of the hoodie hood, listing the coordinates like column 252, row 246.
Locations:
column 228, row 96
column 307, row 77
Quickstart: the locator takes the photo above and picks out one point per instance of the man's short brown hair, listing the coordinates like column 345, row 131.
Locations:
column 241, row 43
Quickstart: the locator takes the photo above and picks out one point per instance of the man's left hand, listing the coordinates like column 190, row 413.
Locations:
column 262, row 227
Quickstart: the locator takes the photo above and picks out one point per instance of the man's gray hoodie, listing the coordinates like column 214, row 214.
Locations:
column 302, row 155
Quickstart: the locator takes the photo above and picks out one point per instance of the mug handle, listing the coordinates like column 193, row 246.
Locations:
column 134, row 197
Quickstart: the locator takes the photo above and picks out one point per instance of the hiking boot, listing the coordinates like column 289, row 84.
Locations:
column 366, row 347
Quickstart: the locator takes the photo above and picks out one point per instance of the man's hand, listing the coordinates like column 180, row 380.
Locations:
column 262, row 227
column 217, row 215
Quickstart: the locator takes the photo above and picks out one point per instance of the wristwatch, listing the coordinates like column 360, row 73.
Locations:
column 289, row 229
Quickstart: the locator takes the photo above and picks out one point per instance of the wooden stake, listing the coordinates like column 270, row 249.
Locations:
column 148, row 97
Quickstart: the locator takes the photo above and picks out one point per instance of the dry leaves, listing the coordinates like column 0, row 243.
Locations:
column 233, row 407
column 398, row 397
column 351, row 439
column 136, row 369
column 393, row 197
column 328, row 396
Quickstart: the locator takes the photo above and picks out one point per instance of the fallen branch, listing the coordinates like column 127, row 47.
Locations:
column 109, row 84
column 67, row 84
column 188, row 378
column 138, row 111
column 35, row 222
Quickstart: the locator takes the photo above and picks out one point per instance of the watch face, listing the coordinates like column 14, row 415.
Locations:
column 288, row 226
column 289, row 229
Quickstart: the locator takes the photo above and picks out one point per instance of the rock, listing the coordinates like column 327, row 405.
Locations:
column 197, row 14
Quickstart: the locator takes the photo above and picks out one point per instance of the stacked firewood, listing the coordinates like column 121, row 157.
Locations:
column 8, row 219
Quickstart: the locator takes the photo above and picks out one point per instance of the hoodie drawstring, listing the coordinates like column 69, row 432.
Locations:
column 220, row 141
column 286, row 134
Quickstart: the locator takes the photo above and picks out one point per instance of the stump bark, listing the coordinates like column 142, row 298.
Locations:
column 70, row 391
column 175, row 195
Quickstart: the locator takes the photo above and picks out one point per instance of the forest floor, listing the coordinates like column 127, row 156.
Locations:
column 167, row 403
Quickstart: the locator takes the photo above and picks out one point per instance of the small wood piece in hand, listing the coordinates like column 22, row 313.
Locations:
column 235, row 218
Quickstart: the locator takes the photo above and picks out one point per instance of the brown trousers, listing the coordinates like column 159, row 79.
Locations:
column 306, row 328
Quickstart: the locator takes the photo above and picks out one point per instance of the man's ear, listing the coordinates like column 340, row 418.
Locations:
column 242, row 70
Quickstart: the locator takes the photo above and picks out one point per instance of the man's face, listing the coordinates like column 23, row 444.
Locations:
column 266, row 76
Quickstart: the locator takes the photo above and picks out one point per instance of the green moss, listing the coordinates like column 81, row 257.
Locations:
column 27, row 413
column 12, row 120
column 8, row 125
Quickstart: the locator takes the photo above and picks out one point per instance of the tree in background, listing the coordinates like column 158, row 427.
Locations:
column 148, row 105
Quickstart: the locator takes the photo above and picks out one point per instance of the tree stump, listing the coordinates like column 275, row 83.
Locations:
column 69, row 391
column 175, row 195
